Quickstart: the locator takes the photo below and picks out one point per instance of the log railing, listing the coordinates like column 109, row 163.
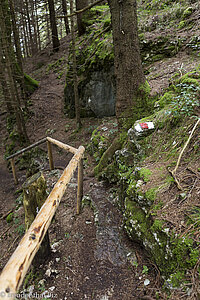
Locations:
column 16, row 268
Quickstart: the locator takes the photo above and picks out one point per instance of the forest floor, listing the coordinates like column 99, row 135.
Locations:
column 91, row 258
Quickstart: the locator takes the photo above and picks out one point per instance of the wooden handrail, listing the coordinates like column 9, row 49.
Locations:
column 27, row 148
column 15, row 270
column 62, row 145
column 49, row 141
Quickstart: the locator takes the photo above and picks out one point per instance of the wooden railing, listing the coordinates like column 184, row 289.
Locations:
column 16, row 268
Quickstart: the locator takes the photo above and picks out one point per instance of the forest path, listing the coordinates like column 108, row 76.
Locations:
column 92, row 257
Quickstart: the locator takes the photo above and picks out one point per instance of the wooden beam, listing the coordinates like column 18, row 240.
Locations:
column 80, row 185
column 14, row 170
column 27, row 148
column 50, row 155
column 15, row 270
column 62, row 145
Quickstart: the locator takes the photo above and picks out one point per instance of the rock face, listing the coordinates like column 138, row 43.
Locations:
column 97, row 95
column 100, row 94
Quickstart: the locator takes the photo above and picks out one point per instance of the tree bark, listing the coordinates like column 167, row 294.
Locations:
column 4, row 85
column 55, row 40
column 32, row 46
column 37, row 26
column 80, row 4
column 64, row 8
column 75, row 78
column 19, row 73
column 128, row 67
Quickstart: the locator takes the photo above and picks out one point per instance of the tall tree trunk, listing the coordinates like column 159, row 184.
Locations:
column 33, row 19
column 55, row 40
column 47, row 23
column 130, row 79
column 19, row 72
column 81, row 25
column 37, row 26
column 29, row 29
column 26, row 40
column 75, row 79
column 3, row 81
column 64, row 8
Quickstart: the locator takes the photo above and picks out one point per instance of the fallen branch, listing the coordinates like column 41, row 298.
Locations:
column 191, row 134
column 6, row 231
column 173, row 172
column 6, row 214
column 81, row 10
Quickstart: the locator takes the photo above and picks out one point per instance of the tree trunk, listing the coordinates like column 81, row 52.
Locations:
column 64, row 8
column 8, row 57
column 47, row 23
column 75, row 79
column 29, row 29
column 80, row 4
column 34, row 25
column 37, row 26
column 26, row 40
column 4, row 85
column 130, row 79
column 19, row 73
column 55, row 40
column 34, row 195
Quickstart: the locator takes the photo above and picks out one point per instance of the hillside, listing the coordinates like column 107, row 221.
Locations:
column 138, row 235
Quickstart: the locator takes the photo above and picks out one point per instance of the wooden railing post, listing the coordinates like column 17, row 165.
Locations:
column 80, row 185
column 16, row 268
column 50, row 155
column 14, row 170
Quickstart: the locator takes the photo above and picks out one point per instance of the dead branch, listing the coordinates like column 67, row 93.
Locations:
column 191, row 134
column 6, row 231
column 173, row 172
column 6, row 214
column 81, row 10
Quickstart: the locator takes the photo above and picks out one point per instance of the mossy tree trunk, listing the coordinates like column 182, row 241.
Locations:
column 128, row 67
column 34, row 195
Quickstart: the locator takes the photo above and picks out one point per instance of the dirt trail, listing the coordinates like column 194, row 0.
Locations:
column 92, row 258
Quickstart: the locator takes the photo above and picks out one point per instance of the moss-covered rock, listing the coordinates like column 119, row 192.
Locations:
column 101, row 138
column 30, row 84
column 95, row 60
column 172, row 254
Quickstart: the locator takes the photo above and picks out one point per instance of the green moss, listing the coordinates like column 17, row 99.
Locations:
column 9, row 218
column 157, row 225
column 187, row 13
column 151, row 194
column 145, row 174
column 166, row 99
column 182, row 24
column 188, row 79
column 145, row 88
column 173, row 255
column 108, row 154
column 30, row 83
